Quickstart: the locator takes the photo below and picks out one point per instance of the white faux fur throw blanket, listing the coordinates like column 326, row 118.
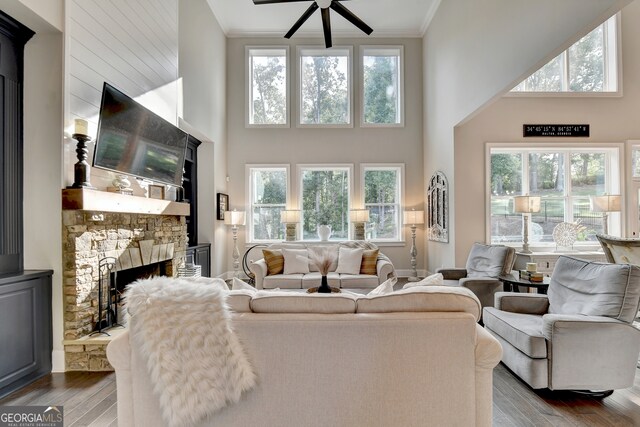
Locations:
column 196, row 363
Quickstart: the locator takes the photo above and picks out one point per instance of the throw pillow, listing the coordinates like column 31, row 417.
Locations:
column 295, row 261
column 434, row 279
column 349, row 260
column 369, row 262
column 384, row 288
column 274, row 260
column 242, row 285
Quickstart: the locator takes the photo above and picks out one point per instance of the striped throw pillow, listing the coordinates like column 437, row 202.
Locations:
column 369, row 261
column 274, row 260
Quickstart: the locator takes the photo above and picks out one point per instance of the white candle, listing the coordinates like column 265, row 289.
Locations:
column 82, row 127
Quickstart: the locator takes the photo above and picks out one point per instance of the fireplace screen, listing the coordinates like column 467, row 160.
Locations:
column 107, row 296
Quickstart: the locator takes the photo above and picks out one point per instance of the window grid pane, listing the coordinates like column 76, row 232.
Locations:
column 325, row 201
column 382, row 198
column 269, row 198
column 268, row 91
column 324, row 85
column 587, row 65
column 561, row 201
column 381, row 75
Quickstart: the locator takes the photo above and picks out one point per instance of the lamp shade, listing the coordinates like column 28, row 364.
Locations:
column 290, row 216
column 526, row 204
column 234, row 217
column 605, row 203
column 413, row 217
column 359, row 215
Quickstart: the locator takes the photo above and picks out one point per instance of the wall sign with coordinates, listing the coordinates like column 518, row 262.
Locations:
column 556, row 130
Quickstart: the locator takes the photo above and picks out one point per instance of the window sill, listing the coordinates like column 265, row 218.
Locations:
column 613, row 94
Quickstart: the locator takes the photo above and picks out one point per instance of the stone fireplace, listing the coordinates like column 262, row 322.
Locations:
column 143, row 235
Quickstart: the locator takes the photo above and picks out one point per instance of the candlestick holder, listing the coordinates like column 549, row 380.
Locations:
column 81, row 170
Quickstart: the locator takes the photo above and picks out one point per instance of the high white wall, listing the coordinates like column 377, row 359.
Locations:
column 43, row 169
column 612, row 119
column 203, row 73
column 473, row 52
column 324, row 145
column 131, row 45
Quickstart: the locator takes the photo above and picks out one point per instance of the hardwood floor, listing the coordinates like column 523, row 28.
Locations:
column 89, row 399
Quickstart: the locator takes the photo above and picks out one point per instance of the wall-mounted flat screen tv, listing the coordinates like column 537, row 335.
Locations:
column 135, row 141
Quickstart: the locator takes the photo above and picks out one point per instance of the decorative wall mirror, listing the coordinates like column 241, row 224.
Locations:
column 438, row 208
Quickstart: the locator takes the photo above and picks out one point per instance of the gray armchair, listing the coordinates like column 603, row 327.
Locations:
column 484, row 264
column 577, row 337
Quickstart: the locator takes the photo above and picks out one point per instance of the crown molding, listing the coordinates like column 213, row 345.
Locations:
column 430, row 14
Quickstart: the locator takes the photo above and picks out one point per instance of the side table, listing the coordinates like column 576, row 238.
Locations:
column 512, row 283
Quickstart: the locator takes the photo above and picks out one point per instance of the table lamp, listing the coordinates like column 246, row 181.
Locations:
column 413, row 218
column 291, row 218
column 526, row 205
column 235, row 219
column 605, row 204
column 359, row 217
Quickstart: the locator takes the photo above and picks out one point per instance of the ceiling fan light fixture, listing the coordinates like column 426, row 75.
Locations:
column 323, row 3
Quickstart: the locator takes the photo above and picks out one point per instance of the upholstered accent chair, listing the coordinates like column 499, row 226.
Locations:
column 484, row 264
column 619, row 250
column 577, row 337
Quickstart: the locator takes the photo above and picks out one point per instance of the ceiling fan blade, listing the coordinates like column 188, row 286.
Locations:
column 326, row 27
column 302, row 20
column 349, row 16
column 275, row 1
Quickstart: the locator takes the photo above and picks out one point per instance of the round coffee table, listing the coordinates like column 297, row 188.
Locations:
column 512, row 283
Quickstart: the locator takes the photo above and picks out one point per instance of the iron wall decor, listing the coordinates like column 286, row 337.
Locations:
column 438, row 208
column 223, row 205
column 556, row 130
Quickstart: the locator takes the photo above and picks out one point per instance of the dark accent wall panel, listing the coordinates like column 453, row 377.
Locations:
column 13, row 37
column 25, row 329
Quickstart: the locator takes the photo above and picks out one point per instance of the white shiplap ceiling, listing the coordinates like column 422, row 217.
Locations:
column 388, row 18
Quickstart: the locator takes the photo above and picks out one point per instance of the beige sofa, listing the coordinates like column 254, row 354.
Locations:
column 384, row 270
column 415, row 357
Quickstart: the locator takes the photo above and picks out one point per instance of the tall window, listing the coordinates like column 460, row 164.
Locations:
column 325, row 86
column 382, row 192
column 325, row 194
column 590, row 65
column 564, row 178
column 267, row 87
column 267, row 190
column 382, row 86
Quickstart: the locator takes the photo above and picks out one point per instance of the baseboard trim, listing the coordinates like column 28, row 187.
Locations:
column 57, row 361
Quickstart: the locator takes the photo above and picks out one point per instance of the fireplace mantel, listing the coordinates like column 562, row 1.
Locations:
column 102, row 201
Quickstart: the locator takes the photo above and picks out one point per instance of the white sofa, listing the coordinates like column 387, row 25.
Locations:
column 415, row 357
column 384, row 269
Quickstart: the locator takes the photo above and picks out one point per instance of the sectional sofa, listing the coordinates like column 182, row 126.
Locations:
column 303, row 278
column 415, row 357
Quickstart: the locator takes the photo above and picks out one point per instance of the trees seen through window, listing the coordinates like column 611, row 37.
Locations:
column 590, row 65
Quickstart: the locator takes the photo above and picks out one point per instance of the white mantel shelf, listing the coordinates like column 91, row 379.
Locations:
column 101, row 201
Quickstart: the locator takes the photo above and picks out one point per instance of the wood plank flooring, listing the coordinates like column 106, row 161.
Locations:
column 89, row 399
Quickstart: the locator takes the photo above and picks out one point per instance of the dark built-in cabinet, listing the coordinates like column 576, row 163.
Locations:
column 13, row 37
column 201, row 255
column 199, row 252
column 25, row 329
column 25, row 296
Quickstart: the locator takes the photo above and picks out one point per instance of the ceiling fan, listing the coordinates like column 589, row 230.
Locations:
column 324, row 6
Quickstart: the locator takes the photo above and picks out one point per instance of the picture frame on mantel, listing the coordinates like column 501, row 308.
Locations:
column 222, row 201
column 156, row 191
